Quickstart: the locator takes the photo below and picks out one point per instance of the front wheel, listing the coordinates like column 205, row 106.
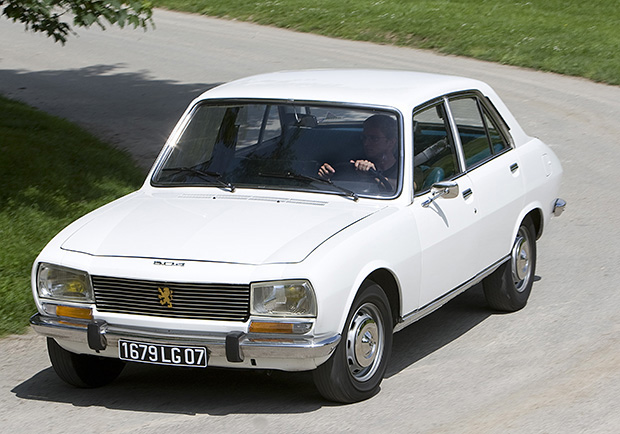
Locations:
column 509, row 287
column 355, row 370
column 82, row 370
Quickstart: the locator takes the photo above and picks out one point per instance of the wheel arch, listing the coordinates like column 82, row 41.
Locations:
column 536, row 217
column 388, row 283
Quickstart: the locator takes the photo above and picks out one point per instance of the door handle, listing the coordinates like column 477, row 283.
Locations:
column 514, row 167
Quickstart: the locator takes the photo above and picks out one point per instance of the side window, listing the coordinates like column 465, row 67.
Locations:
column 479, row 136
column 498, row 143
column 434, row 157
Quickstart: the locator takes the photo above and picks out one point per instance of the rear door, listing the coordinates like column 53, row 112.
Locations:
column 493, row 169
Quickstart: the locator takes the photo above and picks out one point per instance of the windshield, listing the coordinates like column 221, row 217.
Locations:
column 329, row 149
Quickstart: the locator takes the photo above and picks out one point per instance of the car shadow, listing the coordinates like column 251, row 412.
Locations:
column 127, row 109
column 438, row 329
column 214, row 391
column 159, row 389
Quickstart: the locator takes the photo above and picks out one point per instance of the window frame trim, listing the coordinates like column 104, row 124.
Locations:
column 433, row 103
column 483, row 103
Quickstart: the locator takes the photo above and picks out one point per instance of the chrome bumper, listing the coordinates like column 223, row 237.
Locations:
column 234, row 346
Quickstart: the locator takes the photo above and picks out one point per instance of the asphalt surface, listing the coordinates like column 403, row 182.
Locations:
column 553, row 367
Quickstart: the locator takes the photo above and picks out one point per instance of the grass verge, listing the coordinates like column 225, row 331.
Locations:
column 565, row 36
column 51, row 172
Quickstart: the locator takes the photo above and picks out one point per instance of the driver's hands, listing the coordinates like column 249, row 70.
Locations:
column 363, row 165
column 326, row 171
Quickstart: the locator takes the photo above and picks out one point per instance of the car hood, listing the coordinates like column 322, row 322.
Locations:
column 218, row 228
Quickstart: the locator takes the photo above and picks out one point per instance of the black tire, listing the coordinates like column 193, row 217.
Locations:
column 355, row 371
column 509, row 287
column 81, row 370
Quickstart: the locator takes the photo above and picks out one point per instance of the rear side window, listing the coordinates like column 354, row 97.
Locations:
column 479, row 134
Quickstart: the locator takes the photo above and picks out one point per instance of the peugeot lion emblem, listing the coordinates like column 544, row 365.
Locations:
column 165, row 296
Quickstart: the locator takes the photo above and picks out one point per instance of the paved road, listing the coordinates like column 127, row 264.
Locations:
column 553, row 367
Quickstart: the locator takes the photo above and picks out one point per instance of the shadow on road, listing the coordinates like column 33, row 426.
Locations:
column 214, row 391
column 438, row 329
column 128, row 109
column 157, row 389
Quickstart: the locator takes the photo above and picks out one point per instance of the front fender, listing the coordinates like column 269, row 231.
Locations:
column 388, row 240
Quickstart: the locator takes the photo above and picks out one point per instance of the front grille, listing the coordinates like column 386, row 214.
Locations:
column 188, row 300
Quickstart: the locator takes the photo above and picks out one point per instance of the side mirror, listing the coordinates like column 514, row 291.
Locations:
column 447, row 190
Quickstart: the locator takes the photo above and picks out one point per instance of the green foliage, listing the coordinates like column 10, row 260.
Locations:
column 46, row 15
column 51, row 173
column 566, row 36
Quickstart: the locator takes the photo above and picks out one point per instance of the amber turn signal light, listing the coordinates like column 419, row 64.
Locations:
column 270, row 327
column 74, row 312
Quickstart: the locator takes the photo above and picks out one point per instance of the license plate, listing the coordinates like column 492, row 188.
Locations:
column 162, row 354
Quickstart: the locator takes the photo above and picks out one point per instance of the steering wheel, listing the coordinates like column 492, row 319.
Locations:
column 346, row 172
column 383, row 183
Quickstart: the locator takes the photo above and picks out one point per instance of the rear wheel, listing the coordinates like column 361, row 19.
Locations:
column 82, row 370
column 355, row 370
column 509, row 287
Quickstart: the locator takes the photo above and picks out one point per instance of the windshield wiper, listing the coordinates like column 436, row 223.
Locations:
column 212, row 177
column 300, row 177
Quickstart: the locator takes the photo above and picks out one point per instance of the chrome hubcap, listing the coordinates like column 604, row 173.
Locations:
column 365, row 342
column 521, row 256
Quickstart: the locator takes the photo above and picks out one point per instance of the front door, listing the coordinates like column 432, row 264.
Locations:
column 446, row 226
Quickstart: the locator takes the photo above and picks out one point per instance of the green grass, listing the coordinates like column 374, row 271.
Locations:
column 566, row 36
column 51, row 172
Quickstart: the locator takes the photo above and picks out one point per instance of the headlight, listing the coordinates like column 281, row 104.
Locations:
column 286, row 298
column 62, row 283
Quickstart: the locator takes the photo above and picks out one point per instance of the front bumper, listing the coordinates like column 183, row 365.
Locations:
column 287, row 352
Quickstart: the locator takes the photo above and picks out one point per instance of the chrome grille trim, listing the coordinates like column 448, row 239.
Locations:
column 189, row 300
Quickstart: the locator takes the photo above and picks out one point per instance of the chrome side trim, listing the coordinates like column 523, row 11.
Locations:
column 436, row 304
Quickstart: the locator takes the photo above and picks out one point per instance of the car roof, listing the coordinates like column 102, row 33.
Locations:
column 359, row 86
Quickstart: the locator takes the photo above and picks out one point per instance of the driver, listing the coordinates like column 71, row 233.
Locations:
column 379, row 137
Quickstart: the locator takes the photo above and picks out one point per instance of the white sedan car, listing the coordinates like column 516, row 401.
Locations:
column 295, row 221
